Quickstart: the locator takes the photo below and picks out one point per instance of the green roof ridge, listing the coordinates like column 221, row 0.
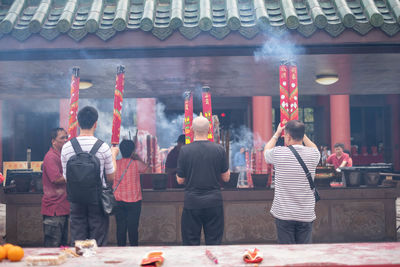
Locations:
column 205, row 20
column 147, row 21
column 176, row 14
column 6, row 26
column 233, row 20
column 395, row 7
column 317, row 14
column 345, row 13
column 67, row 16
column 289, row 14
column 95, row 13
column 373, row 14
column 40, row 16
column 121, row 15
column 261, row 14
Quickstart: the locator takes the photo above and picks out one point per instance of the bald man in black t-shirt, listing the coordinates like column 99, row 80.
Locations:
column 201, row 165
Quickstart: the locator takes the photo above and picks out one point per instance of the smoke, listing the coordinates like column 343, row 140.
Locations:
column 278, row 48
column 168, row 128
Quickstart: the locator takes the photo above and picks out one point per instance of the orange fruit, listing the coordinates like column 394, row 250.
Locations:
column 16, row 253
column 7, row 247
column 3, row 253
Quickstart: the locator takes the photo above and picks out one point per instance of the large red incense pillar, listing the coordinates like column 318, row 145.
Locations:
column 293, row 93
column 284, row 92
column 207, row 111
column 118, row 97
column 340, row 120
column 188, row 117
column 394, row 102
column 146, row 115
column 64, row 113
column 73, row 106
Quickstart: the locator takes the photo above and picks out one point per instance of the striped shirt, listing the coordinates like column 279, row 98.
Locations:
column 87, row 142
column 293, row 197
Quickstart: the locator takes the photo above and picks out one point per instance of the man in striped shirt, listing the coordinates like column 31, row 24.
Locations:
column 89, row 221
column 294, row 204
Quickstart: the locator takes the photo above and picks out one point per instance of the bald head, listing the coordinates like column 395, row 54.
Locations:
column 200, row 126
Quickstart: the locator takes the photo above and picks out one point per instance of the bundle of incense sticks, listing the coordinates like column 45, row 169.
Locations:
column 73, row 104
column 211, row 256
column 118, row 97
column 207, row 111
column 187, row 124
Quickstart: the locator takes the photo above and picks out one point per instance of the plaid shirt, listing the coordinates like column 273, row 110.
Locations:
column 129, row 189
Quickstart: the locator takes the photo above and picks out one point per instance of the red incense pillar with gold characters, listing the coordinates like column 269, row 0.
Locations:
column 293, row 92
column 188, row 117
column 118, row 97
column 73, row 104
column 284, row 93
column 207, row 111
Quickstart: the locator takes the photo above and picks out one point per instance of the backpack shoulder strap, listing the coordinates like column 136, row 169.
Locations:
column 76, row 146
column 96, row 147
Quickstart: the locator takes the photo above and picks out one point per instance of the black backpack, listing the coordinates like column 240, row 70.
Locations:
column 84, row 184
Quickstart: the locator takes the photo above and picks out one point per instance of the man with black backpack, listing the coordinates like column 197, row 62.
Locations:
column 86, row 161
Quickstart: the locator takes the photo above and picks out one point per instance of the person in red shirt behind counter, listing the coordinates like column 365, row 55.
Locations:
column 339, row 159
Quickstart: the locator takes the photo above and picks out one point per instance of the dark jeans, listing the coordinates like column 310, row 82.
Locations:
column 210, row 219
column 127, row 215
column 55, row 229
column 88, row 222
column 293, row 232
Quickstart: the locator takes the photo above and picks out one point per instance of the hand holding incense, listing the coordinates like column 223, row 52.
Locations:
column 211, row 256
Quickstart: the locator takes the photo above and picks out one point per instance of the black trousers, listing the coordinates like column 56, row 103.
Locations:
column 88, row 222
column 293, row 232
column 210, row 219
column 55, row 229
column 127, row 215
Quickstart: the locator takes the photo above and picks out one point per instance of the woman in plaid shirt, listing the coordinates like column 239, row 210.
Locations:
column 128, row 194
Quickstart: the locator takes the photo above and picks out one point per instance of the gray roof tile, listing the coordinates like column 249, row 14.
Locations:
column 163, row 18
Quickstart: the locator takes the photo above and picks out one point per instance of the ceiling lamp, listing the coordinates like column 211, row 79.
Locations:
column 85, row 84
column 327, row 79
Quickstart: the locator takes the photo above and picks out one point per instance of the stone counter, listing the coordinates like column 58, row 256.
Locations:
column 344, row 215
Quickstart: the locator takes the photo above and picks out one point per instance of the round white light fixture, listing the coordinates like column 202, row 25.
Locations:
column 326, row 79
column 85, row 84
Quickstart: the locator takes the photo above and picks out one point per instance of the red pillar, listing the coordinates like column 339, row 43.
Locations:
column 394, row 102
column 262, row 119
column 340, row 120
column 1, row 136
column 146, row 115
column 64, row 113
column 262, row 130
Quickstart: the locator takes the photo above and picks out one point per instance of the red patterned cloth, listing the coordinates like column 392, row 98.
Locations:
column 129, row 189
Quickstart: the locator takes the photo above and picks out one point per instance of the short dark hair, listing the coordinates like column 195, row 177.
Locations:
column 339, row 145
column 295, row 129
column 126, row 147
column 87, row 117
column 181, row 139
column 54, row 133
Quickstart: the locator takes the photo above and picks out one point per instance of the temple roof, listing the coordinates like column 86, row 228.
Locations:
column 219, row 18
